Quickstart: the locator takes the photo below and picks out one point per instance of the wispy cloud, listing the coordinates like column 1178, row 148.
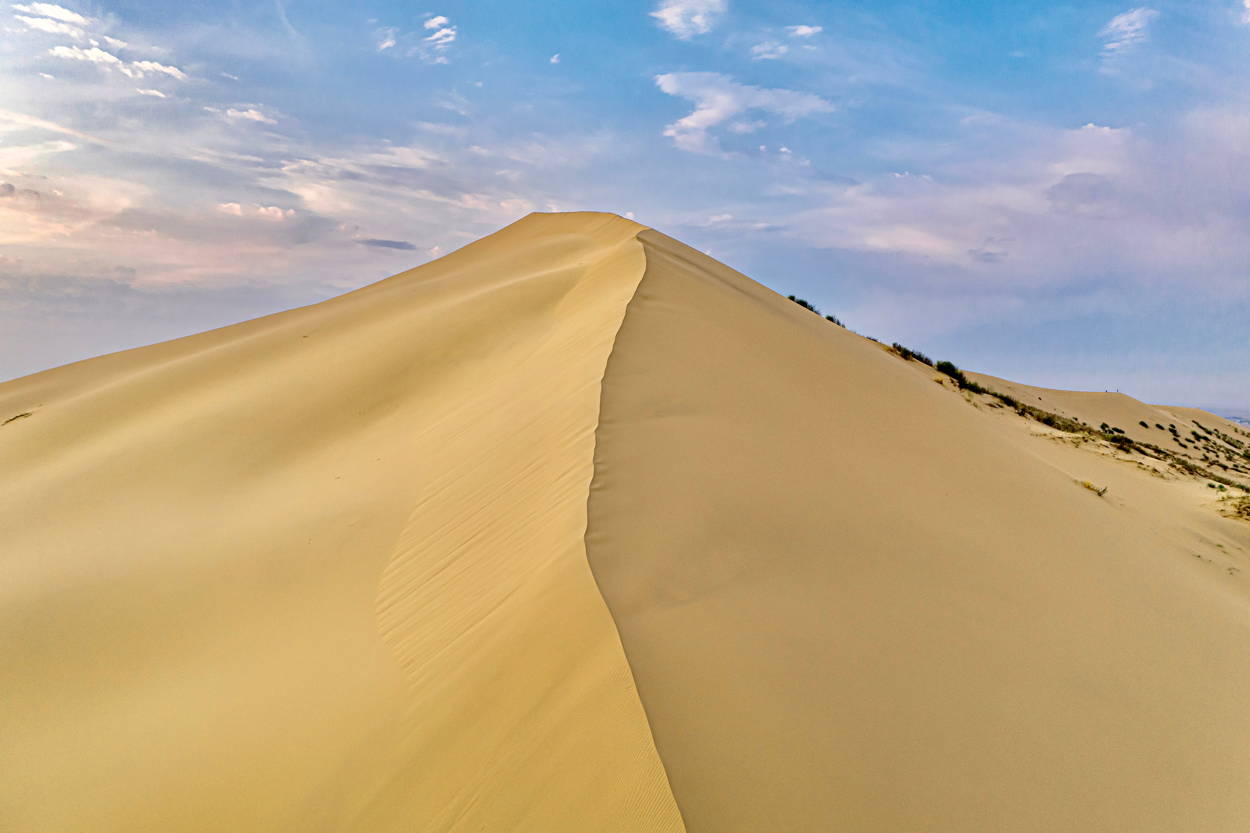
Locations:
column 249, row 114
column 53, row 11
column 686, row 18
column 133, row 69
column 92, row 54
column 431, row 44
column 768, row 50
column 718, row 99
column 1126, row 31
column 433, row 47
column 804, row 30
column 52, row 27
column 385, row 38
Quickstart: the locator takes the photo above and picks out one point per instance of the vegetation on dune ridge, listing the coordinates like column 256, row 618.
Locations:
column 805, row 305
column 1219, row 449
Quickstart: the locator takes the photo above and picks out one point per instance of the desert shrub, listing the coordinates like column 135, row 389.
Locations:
column 804, row 304
column 908, row 353
column 953, row 371
column 812, row 308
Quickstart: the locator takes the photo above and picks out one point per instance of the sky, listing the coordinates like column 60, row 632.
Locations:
column 1056, row 193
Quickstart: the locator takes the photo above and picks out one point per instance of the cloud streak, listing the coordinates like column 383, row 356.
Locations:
column 1125, row 32
column 718, row 99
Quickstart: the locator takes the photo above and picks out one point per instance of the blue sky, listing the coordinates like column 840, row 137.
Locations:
column 1055, row 193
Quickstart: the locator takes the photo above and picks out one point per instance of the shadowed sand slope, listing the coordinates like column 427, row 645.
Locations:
column 325, row 570
column 850, row 604
column 578, row 530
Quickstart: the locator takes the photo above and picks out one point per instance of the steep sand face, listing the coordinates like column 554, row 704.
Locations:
column 325, row 570
column 852, row 602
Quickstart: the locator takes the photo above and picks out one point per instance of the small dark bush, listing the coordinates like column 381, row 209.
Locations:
column 908, row 353
column 804, row 304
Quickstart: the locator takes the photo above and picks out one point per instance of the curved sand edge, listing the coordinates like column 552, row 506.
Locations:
column 325, row 569
column 857, row 604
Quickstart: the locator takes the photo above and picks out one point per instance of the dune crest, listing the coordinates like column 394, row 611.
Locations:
column 326, row 570
column 578, row 529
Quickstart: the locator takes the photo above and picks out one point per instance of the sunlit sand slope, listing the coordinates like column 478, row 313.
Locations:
column 325, row 570
column 852, row 604
column 1211, row 441
column 579, row 530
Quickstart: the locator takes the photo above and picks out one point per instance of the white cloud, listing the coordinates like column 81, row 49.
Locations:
column 136, row 69
column 52, row 27
column 443, row 37
column 153, row 93
column 53, row 11
column 133, row 69
column 1245, row 11
column 718, row 99
column 92, row 55
column 555, row 59
column 804, row 31
column 1126, row 30
column 768, row 50
column 271, row 213
column 687, row 18
column 431, row 43
column 115, row 43
column 250, row 114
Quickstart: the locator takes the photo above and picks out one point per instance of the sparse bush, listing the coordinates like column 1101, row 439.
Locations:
column 804, row 304
column 953, row 371
column 908, row 353
column 812, row 308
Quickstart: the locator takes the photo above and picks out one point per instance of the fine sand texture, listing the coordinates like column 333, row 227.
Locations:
column 325, row 570
column 577, row 529
column 851, row 603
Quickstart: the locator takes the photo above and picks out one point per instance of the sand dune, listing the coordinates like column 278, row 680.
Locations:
column 577, row 529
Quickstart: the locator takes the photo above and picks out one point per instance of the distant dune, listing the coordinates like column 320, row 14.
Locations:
column 577, row 529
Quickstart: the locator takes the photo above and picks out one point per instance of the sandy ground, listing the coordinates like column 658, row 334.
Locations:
column 576, row 529
column 325, row 570
column 858, row 603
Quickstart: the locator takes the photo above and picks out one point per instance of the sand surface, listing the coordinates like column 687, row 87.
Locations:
column 576, row 529
column 325, row 570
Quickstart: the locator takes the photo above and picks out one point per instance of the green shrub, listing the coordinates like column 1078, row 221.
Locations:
column 908, row 353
